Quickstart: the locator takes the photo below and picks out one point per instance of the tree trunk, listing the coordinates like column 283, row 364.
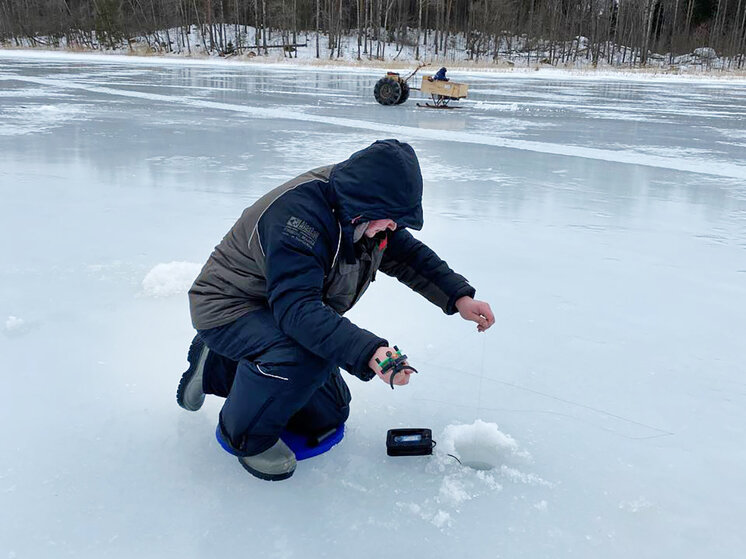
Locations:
column 201, row 29
column 339, row 31
column 673, row 31
column 649, row 14
column 359, row 28
column 446, row 27
column 264, row 26
column 317, row 28
column 209, row 24
column 419, row 27
column 256, row 25
column 236, row 27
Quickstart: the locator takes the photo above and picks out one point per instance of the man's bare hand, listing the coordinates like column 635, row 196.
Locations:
column 476, row 311
column 400, row 379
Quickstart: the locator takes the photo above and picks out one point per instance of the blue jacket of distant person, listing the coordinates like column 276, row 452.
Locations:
column 440, row 75
column 295, row 252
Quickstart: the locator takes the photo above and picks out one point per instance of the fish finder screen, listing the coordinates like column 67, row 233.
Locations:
column 408, row 438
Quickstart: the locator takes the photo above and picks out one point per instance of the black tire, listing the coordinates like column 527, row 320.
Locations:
column 387, row 91
column 404, row 93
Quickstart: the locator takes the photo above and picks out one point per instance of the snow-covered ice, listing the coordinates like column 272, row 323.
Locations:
column 603, row 219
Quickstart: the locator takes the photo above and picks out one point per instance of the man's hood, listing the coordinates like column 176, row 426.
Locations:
column 382, row 181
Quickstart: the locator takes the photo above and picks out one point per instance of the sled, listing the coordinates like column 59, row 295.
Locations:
column 442, row 92
column 442, row 105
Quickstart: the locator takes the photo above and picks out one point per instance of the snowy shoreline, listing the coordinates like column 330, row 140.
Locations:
column 366, row 66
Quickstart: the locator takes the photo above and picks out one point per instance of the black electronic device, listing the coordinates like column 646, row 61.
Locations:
column 409, row 442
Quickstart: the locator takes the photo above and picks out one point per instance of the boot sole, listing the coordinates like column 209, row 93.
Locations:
column 266, row 477
column 195, row 351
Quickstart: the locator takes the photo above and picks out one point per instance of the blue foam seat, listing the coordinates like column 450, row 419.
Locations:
column 300, row 444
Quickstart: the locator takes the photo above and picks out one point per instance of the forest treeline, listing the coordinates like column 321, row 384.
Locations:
column 548, row 30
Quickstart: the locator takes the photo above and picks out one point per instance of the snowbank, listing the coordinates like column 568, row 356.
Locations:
column 173, row 278
column 14, row 324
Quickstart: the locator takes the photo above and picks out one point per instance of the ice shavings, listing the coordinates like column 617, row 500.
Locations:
column 516, row 476
column 459, row 484
column 639, row 504
column 457, row 487
column 452, row 489
column 353, row 485
column 14, row 324
column 480, row 444
column 439, row 518
column 173, row 278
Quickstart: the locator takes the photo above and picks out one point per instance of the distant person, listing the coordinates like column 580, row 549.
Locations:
column 268, row 304
column 440, row 76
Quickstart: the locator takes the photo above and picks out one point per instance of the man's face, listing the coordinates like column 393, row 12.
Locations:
column 378, row 225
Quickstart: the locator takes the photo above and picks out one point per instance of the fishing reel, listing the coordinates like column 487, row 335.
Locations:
column 395, row 363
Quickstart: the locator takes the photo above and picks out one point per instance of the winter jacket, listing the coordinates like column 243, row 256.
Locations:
column 293, row 252
column 440, row 75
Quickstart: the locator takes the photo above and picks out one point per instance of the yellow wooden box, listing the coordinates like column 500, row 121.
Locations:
column 446, row 89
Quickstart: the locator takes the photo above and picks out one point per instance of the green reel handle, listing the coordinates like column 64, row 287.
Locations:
column 396, row 363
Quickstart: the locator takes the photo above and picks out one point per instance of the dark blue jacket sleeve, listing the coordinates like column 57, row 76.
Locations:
column 298, row 254
column 416, row 265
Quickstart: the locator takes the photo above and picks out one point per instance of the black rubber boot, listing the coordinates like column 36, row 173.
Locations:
column 190, row 394
column 274, row 464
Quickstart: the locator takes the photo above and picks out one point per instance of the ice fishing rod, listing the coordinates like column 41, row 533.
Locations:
column 395, row 363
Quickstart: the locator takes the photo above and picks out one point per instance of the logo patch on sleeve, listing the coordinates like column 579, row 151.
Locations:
column 301, row 232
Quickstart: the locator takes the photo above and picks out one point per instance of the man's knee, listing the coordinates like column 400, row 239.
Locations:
column 343, row 413
column 297, row 365
column 219, row 374
column 327, row 408
column 344, row 397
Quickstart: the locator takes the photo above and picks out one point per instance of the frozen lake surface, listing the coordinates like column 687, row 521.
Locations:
column 603, row 219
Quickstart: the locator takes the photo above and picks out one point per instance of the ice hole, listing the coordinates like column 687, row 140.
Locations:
column 476, row 465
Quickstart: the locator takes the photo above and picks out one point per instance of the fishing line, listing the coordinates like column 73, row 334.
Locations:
column 481, row 376
column 663, row 432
